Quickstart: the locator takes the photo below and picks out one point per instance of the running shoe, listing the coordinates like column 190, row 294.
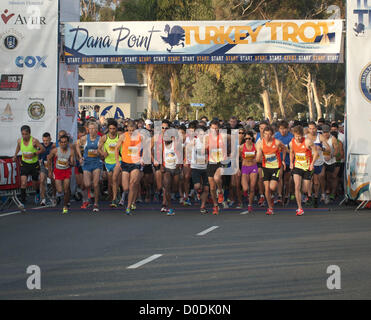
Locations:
column 128, row 211
column 315, row 203
column 65, row 210
column 37, row 198
column 269, row 212
column 225, row 205
column 133, row 207
column 187, row 202
column 287, row 201
column 95, row 208
column 113, row 204
column 203, row 211
column 170, row 212
column 327, row 199
column 85, row 205
column 53, row 202
column 261, row 201
column 156, row 197
column 220, row 197
column 249, row 208
column 309, row 203
column 43, row 202
column 292, row 197
column 299, row 212
column 305, row 199
column 122, row 203
column 163, row 209
column 332, row 197
column 215, row 210
column 278, row 200
column 239, row 206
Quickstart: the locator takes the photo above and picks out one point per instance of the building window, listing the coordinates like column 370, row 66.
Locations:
column 100, row 93
column 140, row 92
column 80, row 92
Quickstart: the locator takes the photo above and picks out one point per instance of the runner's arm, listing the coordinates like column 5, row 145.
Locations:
column 259, row 152
column 117, row 149
column 17, row 149
column 314, row 150
column 38, row 146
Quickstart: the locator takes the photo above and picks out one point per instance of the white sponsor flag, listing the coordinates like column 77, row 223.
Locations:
column 68, row 99
column 358, row 88
column 28, row 70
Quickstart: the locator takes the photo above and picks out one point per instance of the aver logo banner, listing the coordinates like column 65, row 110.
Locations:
column 34, row 17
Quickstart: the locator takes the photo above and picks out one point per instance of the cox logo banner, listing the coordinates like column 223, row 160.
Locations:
column 36, row 62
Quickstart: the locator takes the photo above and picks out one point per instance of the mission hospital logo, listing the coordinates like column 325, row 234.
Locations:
column 365, row 82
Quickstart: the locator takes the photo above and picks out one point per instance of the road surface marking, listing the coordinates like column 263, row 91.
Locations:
column 202, row 233
column 140, row 263
column 9, row 214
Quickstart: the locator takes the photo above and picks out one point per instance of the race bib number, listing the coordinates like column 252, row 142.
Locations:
column 170, row 160
column 249, row 155
column 28, row 155
column 132, row 151
column 62, row 163
column 111, row 148
column 216, row 155
column 200, row 156
column 271, row 161
column 92, row 153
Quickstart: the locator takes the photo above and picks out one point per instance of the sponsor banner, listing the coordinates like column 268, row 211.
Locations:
column 107, row 110
column 9, row 174
column 195, row 42
column 358, row 83
column 68, row 99
column 28, row 69
column 358, row 177
column 11, row 82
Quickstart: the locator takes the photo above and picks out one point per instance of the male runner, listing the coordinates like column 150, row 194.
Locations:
column 63, row 161
column 268, row 152
column 31, row 148
column 303, row 155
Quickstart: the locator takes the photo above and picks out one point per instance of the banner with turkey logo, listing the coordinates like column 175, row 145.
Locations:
column 198, row 42
column 358, row 100
column 28, row 69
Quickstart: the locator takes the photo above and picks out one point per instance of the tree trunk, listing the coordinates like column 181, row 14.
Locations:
column 316, row 99
column 310, row 96
column 266, row 101
column 150, row 87
column 279, row 88
column 173, row 92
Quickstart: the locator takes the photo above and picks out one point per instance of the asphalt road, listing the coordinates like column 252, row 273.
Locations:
column 230, row 256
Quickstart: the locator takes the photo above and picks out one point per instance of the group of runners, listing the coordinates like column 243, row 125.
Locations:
column 214, row 163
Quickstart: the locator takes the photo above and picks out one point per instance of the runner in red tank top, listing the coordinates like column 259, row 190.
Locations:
column 301, row 164
column 268, row 151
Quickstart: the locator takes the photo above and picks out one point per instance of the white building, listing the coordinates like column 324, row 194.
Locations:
column 116, row 91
